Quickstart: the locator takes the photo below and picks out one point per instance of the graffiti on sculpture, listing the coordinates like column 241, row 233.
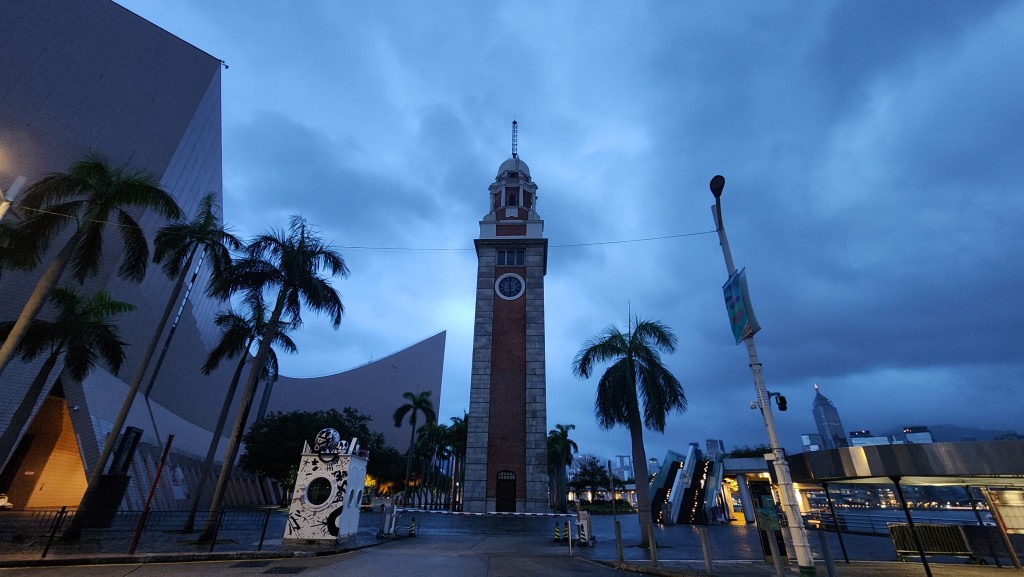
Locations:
column 328, row 487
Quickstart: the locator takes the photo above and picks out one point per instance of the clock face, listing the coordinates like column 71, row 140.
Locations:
column 509, row 286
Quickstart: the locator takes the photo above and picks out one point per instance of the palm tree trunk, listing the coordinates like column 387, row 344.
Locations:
column 215, row 441
column 74, row 529
column 643, row 499
column 238, row 430
column 40, row 293
column 20, row 418
column 408, row 460
column 561, row 484
column 172, row 302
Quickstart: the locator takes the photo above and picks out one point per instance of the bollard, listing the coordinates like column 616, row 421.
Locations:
column 558, row 532
column 412, row 527
column 618, row 541
column 709, row 566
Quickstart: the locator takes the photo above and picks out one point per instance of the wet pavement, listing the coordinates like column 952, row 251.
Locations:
column 735, row 550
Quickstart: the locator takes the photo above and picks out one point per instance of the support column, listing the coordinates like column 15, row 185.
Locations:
column 745, row 499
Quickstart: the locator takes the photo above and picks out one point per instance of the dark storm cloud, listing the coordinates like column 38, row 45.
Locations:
column 871, row 153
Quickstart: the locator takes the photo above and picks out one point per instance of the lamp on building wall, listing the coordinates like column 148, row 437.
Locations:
column 7, row 198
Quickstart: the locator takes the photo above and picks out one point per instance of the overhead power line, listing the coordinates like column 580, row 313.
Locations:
column 449, row 249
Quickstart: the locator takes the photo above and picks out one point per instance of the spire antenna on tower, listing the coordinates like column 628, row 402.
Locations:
column 515, row 139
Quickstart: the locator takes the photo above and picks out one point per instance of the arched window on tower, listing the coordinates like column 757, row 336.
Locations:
column 512, row 200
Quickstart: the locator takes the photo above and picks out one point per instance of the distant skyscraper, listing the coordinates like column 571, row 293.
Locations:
column 827, row 418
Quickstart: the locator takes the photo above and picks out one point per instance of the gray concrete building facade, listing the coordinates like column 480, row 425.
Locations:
column 90, row 77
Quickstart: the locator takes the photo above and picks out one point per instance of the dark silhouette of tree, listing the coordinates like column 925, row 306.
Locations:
column 83, row 332
column 560, row 452
column 635, row 391
column 88, row 198
column 239, row 333
column 419, row 403
column 288, row 265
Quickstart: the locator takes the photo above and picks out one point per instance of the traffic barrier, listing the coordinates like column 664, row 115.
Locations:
column 558, row 533
column 412, row 527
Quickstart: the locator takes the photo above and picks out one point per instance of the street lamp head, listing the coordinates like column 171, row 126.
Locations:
column 717, row 184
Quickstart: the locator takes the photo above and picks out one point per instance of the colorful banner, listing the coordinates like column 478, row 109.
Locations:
column 737, row 304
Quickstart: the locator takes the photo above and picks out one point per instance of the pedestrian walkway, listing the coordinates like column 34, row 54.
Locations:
column 734, row 549
column 853, row 569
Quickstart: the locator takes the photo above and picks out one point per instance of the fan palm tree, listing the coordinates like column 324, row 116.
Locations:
column 419, row 403
column 239, row 334
column 560, row 451
column 88, row 197
column 82, row 331
column 287, row 264
column 636, row 391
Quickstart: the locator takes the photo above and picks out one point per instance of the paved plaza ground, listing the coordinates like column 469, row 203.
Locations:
column 457, row 545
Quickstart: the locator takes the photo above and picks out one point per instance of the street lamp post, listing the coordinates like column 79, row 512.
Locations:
column 798, row 535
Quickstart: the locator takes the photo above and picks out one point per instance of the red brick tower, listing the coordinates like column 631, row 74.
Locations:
column 506, row 460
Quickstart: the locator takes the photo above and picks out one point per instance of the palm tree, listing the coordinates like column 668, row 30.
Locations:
column 82, row 332
column 458, row 434
column 290, row 263
column 419, row 403
column 176, row 247
column 636, row 378
column 433, row 450
column 239, row 335
column 88, row 197
column 560, row 451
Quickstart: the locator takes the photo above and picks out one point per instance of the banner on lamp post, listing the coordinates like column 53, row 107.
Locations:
column 737, row 303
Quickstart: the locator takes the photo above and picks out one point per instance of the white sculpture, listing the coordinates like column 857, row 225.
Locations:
column 328, row 489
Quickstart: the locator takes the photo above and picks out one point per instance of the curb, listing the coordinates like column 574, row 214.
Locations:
column 176, row 557
column 642, row 569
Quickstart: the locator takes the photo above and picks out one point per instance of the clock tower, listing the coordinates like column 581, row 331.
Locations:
column 506, row 453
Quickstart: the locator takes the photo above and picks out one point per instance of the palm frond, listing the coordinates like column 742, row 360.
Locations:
column 136, row 251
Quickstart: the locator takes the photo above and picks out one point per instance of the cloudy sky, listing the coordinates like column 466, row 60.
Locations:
column 869, row 150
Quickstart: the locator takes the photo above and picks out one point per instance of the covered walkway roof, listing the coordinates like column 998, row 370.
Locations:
column 985, row 463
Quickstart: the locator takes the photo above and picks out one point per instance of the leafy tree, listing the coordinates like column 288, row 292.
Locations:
column 589, row 476
column 636, row 378
column 746, row 451
column 287, row 264
column 419, row 403
column 560, row 451
column 239, row 335
column 274, row 444
column 82, row 331
column 90, row 196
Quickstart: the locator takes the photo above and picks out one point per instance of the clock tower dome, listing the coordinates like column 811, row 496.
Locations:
column 506, row 453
